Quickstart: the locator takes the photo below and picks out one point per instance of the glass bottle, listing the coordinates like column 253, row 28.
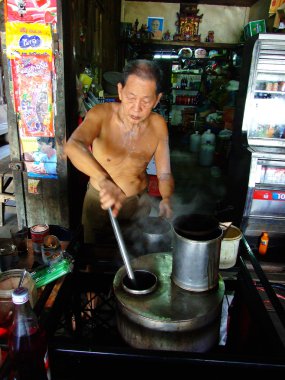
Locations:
column 26, row 342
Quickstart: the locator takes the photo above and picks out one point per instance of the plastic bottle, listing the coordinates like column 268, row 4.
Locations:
column 263, row 245
column 208, row 136
column 206, row 155
column 27, row 342
column 195, row 142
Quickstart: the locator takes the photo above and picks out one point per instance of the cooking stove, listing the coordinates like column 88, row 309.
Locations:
column 84, row 333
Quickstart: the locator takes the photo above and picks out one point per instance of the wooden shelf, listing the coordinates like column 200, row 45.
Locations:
column 211, row 45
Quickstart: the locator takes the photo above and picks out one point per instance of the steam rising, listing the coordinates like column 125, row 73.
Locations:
column 197, row 191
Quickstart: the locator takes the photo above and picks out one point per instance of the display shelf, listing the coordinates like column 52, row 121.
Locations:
column 172, row 43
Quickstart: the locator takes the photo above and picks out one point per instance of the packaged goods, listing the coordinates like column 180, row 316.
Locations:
column 253, row 28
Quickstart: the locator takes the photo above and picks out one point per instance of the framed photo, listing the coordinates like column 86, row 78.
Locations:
column 155, row 27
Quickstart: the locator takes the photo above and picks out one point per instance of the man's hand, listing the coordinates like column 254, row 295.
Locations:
column 111, row 196
column 165, row 208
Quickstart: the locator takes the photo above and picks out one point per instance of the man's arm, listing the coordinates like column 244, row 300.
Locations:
column 77, row 148
column 164, row 175
column 166, row 189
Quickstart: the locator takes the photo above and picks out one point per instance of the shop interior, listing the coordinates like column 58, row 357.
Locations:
column 200, row 88
column 91, row 319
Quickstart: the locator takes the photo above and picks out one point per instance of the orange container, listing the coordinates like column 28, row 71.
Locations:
column 263, row 245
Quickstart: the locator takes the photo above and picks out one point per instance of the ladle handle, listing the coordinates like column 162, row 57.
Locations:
column 121, row 244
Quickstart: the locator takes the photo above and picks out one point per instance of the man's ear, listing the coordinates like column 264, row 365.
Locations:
column 120, row 88
column 158, row 99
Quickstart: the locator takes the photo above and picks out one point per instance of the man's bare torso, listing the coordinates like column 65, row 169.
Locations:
column 124, row 151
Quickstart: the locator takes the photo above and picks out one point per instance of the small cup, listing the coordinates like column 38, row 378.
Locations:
column 20, row 239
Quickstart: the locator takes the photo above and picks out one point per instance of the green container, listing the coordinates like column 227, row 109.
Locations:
column 253, row 28
column 44, row 275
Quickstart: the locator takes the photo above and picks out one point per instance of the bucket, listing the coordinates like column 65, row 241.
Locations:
column 229, row 247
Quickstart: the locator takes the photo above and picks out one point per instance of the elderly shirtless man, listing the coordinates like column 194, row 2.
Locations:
column 113, row 146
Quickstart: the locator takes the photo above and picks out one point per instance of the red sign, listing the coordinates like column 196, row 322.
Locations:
column 269, row 195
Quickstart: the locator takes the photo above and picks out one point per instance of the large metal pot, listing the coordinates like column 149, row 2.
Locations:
column 169, row 318
column 157, row 234
column 196, row 252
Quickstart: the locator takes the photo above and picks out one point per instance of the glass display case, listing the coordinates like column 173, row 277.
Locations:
column 264, row 125
column 263, row 116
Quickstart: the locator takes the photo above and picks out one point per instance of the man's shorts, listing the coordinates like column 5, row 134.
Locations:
column 96, row 221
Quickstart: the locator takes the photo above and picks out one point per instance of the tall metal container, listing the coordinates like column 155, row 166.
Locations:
column 196, row 252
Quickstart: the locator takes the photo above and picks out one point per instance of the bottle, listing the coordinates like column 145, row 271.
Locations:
column 26, row 341
column 208, row 136
column 263, row 245
column 195, row 142
column 206, row 155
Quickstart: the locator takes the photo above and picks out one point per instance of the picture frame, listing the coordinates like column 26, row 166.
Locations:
column 155, row 27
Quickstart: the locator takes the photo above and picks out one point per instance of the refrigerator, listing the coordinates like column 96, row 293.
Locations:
column 263, row 125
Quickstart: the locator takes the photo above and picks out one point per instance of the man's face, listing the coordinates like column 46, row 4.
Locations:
column 138, row 98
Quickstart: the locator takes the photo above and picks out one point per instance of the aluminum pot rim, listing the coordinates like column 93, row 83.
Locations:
column 198, row 239
column 191, row 225
column 141, row 291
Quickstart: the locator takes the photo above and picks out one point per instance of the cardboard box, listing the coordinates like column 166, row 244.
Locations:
column 253, row 28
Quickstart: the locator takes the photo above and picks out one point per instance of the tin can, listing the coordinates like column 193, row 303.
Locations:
column 51, row 250
column 38, row 233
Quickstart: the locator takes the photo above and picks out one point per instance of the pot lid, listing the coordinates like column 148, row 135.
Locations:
column 162, row 309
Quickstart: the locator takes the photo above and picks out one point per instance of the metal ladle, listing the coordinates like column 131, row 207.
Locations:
column 121, row 245
column 144, row 282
